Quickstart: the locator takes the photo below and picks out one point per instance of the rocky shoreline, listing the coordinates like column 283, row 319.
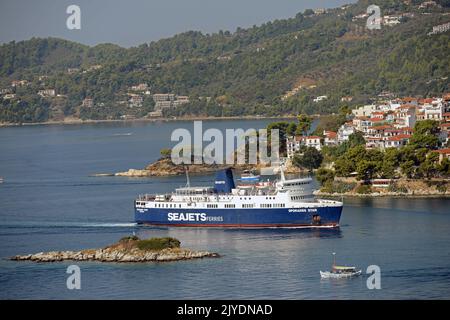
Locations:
column 165, row 168
column 74, row 121
column 383, row 195
column 124, row 251
column 398, row 188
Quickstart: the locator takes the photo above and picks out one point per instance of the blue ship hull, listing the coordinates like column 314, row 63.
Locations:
column 241, row 218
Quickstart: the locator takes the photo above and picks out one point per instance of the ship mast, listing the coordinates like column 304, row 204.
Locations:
column 188, row 182
column 282, row 173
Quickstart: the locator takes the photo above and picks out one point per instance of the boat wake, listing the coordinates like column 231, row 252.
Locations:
column 123, row 134
column 110, row 225
column 70, row 225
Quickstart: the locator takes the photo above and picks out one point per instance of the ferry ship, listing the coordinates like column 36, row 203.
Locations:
column 285, row 203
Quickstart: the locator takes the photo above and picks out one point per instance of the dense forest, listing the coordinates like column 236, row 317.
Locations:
column 245, row 72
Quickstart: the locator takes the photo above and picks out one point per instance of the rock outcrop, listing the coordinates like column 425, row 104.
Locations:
column 165, row 167
column 124, row 251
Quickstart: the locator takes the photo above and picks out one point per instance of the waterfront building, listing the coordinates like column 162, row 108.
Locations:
column 293, row 144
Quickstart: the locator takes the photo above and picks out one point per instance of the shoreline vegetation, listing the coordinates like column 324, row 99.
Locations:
column 75, row 121
column 395, row 188
column 128, row 249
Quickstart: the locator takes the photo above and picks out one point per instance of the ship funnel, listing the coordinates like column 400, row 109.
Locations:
column 224, row 181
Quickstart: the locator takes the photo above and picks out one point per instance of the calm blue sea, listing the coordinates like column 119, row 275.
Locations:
column 49, row 202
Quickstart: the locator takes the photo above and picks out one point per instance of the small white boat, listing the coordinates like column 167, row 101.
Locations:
column 338, row 272
column 249, row 176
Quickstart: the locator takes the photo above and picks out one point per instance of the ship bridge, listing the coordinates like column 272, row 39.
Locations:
column 189, row 191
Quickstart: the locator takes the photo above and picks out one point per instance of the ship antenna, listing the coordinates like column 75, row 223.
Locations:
column 188, row 182
column 334, row 259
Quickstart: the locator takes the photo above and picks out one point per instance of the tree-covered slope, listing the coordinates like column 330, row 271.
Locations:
column 247, row 71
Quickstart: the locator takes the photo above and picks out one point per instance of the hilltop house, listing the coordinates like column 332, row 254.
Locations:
column 365, row 111
column 135, row 100
column 47, row 93
column 320, row 98
column 87, row 103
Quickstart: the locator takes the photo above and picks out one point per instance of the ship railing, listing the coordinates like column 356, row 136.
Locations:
column 327, row 201
column 146, row 197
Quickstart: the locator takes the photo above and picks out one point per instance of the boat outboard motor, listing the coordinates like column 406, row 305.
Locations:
column 224, row 181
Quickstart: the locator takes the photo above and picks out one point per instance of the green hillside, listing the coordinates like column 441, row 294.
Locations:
column 247, row 71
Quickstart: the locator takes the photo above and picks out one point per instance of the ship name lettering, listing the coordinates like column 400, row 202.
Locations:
column 175, row 216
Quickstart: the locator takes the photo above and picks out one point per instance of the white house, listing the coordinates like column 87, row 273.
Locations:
column 365, row 111
column 320, row 98
column 344, row 132
column 47, row 93
column 330, row 138
column 293, row 144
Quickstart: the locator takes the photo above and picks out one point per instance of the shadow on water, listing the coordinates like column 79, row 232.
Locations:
column 272, row 233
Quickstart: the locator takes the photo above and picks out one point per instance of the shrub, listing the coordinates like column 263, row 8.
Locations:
column 393, row 187
column 441, row 187
column 129, row 238
column 363, row 189
column 324, row 175
column 338, row 187
column 158, row 243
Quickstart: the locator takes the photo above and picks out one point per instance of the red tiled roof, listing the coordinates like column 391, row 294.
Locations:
column 300, row 138
column 376, row 119
column 399, row 137
column 403, row 136
column 393, row 130
column 407, row 106
column 330, row 134
column 444, row 151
